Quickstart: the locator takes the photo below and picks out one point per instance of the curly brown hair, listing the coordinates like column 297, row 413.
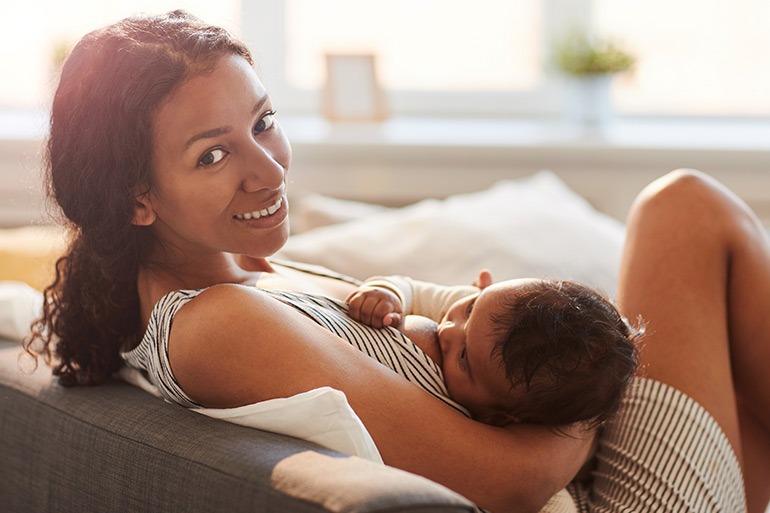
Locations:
column 568, row 352
column 98, row 160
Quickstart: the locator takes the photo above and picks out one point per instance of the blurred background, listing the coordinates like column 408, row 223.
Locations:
column 452, row 95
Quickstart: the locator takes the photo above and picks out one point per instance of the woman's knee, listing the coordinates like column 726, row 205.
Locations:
column 678, row 187
column 690, row 196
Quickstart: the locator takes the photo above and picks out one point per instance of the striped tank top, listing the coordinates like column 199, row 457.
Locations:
column 388, row 346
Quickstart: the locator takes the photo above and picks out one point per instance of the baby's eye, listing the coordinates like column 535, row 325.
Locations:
column 212, row 157
column 265, row 123
column 463, row 358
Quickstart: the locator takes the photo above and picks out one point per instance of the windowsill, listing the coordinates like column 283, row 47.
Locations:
column 656, row 133
column 636, row 133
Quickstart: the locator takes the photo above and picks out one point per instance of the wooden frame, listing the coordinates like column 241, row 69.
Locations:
column 352, row 91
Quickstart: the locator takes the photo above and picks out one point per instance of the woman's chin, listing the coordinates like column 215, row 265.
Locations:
column 271, row 244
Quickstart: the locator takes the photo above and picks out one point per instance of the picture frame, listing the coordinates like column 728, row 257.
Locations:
column 352, row 91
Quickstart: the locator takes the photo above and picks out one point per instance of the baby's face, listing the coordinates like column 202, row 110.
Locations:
column 474, row 376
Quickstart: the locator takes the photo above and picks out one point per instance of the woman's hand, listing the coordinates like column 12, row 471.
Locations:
column 375, row 306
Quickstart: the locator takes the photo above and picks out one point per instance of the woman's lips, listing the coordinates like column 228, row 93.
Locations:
column 272, row 209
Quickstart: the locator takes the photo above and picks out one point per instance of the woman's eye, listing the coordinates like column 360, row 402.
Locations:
column 212, row 157
column 265, row 123
column 462, row 357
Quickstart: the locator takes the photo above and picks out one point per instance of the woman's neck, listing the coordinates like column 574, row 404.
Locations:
column 206, row 271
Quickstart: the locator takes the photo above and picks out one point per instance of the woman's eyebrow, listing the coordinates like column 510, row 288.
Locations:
column 216, row 132
column 208, row 134
column 259, row 105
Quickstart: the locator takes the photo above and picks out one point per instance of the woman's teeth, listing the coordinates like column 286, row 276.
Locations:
column 272, row 209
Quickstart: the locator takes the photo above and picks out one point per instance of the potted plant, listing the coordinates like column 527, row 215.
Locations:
column 590, row 65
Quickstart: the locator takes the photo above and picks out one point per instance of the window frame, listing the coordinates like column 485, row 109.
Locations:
column 267, row 42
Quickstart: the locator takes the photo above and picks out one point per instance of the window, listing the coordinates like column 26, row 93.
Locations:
column 491, row 57
column 41, row 31
column 434, row 56
column 697, row 57
column 423, row 45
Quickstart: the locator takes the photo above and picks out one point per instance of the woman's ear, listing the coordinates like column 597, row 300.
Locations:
column 144, row 214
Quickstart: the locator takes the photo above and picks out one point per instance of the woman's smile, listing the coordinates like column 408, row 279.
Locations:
column 268, row 217
column 256, row 214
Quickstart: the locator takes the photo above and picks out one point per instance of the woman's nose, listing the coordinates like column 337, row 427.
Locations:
column 261, row 170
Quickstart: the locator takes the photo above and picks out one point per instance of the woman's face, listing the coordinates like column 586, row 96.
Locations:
column 219, row 166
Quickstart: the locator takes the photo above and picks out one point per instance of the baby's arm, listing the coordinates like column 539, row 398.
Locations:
column 384, row 300
column 433, row 301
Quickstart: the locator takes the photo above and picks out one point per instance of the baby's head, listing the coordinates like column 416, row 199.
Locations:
column 540, row 351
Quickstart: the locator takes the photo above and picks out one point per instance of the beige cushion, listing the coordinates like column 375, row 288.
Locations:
column 28, row 254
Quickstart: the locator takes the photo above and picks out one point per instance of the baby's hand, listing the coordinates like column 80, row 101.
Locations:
column 374, row 306
column 484, row 280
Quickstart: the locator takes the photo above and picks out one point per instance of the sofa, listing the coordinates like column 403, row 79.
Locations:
column 118, row 448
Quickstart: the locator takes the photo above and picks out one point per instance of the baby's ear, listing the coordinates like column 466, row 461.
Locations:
column 144, row 214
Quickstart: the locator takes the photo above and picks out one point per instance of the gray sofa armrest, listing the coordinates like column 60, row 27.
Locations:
column 115, row 448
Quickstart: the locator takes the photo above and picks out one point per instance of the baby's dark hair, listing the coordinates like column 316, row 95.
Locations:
column 568, row 353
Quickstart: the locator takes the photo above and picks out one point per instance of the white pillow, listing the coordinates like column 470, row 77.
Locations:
column 533, row 227
column 322, row 415
column 20, row 305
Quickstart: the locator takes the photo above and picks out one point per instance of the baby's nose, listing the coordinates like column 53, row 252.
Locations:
column 444, row 335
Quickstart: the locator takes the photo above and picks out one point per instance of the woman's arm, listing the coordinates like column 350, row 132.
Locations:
column 233, row 346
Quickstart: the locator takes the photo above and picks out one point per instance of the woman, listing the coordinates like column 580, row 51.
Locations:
column 167, row 161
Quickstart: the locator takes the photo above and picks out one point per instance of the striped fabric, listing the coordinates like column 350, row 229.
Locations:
column 151, row 355
column 388, row 346
column 663, row 453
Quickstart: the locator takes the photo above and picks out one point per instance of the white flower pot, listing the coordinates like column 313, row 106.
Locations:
column 589, row 100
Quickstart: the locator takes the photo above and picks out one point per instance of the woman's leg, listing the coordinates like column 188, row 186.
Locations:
column 696, row 268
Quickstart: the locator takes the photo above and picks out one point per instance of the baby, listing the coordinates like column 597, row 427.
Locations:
column 527, row 350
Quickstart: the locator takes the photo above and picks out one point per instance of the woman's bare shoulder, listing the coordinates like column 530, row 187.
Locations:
column 222, row 337
column 220, row 311
column 234, row 345
column 218, row 302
